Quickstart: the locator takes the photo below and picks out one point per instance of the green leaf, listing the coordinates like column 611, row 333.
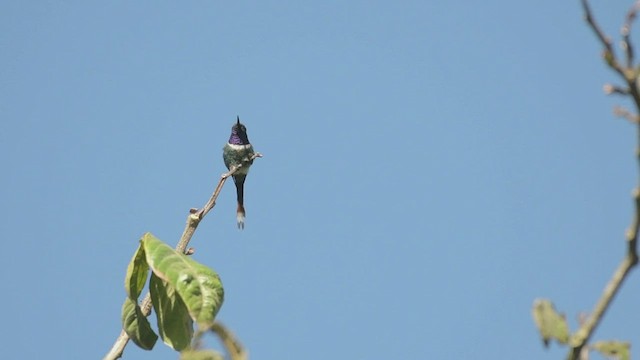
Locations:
column 174, row 323
column 133, row 322
column 550, row 324
column 198, row 286
column 137, row 326
column 203, row 293
column 137, row 272
column 201, row 355
column 613, row 349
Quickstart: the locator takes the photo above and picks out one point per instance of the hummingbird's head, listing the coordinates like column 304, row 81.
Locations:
column 239, row 134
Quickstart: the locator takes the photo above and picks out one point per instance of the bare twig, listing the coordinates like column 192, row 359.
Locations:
column 194, row 218
column 613, row 89
column 626, row 33
column 581, row 337
column 584, row 333
column 609, row 54
column 619, row 111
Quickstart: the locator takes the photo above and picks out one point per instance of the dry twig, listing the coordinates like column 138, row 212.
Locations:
column 630, row 75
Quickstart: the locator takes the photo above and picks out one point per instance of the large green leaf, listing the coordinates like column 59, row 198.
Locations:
column 174, row 323
column 137, row 326
column 203, row 296
column 613, row 349
column 137, row 272
column 198, row 286
column 550, row 324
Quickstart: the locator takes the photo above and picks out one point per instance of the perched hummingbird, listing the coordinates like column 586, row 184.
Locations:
column 236, row 152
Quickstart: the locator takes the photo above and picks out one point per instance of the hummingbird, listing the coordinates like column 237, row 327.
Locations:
column 238, row 151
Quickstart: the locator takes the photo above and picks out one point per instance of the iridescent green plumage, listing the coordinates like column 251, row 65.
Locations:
column 238, row 151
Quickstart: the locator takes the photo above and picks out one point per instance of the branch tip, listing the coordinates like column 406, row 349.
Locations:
column 610, row 89
column 619, row 111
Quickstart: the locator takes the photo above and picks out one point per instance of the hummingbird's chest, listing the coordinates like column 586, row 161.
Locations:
column 234, row 155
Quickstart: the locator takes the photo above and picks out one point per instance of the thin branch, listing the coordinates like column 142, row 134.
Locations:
column 634, row 228
column 619, row 111
column 581, row 337
column 614, row 89
column 609, row 55
column 194, row 218
column 583, row 334
column 627, row 47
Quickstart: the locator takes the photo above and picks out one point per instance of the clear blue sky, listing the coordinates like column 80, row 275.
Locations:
column 430, row 168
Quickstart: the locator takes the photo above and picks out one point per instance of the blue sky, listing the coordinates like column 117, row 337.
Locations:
column 430, row 169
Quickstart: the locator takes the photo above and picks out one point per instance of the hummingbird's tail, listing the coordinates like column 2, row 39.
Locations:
column 240, row 213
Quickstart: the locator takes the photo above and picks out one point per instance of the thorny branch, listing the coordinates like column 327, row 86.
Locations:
column 629, row 73
column 194, row 218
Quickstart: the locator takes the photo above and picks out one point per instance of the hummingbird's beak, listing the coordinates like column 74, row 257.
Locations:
column 238, row 117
